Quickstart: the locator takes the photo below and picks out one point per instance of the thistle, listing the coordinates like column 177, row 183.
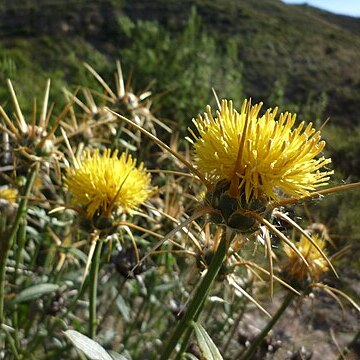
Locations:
column 104, row 186
column 104, row 183
column 250, row 165
column 261, row 156
column 294, row 267
column 34, row 140
column 123, row 99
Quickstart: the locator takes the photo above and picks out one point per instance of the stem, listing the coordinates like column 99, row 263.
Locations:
column 94, row 271
column 12, row 344
column 129, row 329
column 349, row 347
column 259, row 339
column 235, row 327
column 199, row 297
column 20, row 240
column 112, row 302
column 186, row 337
column 6, row 244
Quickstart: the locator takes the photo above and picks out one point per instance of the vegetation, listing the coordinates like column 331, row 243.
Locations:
column 68, row 269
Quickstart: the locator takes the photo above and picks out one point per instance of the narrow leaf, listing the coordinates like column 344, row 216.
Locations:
column 78, row 253
column 188, row 356
column 35, row 292
column 91, row 348
column 207, row 347
column 117, row 356
column 123, row 308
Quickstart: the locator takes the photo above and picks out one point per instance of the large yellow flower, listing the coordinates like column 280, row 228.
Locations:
column 260, row 155
column 296, row 268
column 105, row 182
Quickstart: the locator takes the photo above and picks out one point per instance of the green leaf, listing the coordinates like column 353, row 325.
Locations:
column 188, row 356
column 78, row 253
column 123, row 308
column 207, row 347
column 117, row 356
column 91, row 348
column 34, row 292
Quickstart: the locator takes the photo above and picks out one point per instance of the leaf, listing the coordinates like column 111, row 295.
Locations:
column 117, row 356
column 78, row 253
column 123, row 308
column 207, row 347
column 34, row 292
column 91, row 348
column 165, row 287
column 189, row 356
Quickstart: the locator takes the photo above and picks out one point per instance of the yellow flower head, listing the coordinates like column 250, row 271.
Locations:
column 102, row 183
column 8, row 205
column 259, row 155
column 295, row 268
column 7, row 194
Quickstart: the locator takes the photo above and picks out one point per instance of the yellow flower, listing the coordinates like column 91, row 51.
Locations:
column 103, row 183
column 260, row 156
column 295, row 267
column 8, row 205
column 8, row 194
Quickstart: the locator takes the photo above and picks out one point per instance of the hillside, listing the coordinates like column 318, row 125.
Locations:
column 300, row 48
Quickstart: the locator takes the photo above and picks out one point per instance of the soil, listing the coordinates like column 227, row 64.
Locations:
column 313, row 328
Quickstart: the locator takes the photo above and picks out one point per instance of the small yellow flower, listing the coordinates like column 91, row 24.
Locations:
column 8, row 194
column 8, row 205
column 260, row 156
column 295, row 268
column 102, row 183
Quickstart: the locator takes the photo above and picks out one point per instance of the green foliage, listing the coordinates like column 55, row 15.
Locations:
column 29, row 63
column 186, row 66
column 344, row 144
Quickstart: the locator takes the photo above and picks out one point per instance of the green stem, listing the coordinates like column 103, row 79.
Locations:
column 6, row 243
column 112, row 302
column 186, row 337
column 235, row 327
column 259, row 339
column 12, row 344
column 21, row 240
column 94, row 271
column 199, row 297
column 129, row 329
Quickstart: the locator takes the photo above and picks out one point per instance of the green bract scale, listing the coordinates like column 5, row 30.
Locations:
column 234, row 212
